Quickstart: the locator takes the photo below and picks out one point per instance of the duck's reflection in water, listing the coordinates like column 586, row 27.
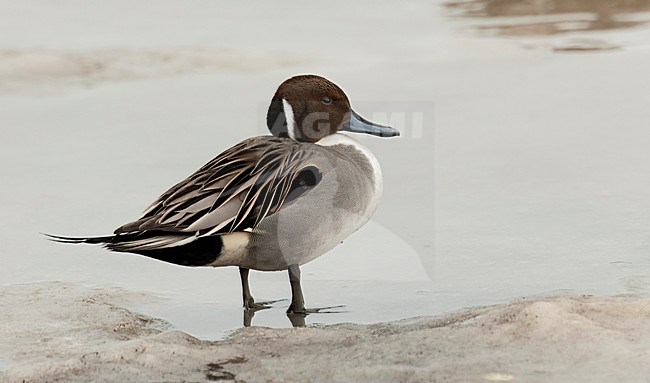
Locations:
column 296, row 319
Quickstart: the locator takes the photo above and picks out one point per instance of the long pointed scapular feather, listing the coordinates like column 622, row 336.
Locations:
column 233, row 192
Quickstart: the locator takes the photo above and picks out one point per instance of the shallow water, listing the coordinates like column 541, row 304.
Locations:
column 522, row 169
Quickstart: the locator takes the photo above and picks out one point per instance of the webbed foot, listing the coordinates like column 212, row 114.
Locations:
column 250, row 304
column 297, row 318
column 323, row 310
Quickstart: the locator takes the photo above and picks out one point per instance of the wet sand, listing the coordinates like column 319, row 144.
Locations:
column 74, row 334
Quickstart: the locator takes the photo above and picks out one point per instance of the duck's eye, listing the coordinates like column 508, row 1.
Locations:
column 327, row 100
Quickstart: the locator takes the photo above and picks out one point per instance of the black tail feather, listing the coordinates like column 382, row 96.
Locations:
column 89, row 240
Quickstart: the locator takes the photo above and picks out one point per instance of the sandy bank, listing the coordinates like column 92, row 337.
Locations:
column 57, row 332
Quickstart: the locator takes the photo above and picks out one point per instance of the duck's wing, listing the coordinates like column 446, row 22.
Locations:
column 234, row 191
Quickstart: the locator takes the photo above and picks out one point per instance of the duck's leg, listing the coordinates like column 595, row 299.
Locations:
column 297, row 311
column 250, row 306
column 249, row 302
column 297, row 301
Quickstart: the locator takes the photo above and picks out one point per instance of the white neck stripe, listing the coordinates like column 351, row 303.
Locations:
column 291, row 122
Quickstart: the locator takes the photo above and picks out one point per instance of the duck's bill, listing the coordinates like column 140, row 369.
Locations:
column 359, row 124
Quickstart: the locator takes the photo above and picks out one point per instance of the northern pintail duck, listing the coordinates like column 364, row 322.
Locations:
column 271, row 202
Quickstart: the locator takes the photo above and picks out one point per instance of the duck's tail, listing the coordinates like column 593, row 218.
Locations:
column 88, row 240
column 185, row 249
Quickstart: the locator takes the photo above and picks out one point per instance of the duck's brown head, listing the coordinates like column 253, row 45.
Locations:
column 308, row 108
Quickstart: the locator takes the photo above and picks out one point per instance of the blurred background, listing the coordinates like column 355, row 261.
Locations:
column 522, row 169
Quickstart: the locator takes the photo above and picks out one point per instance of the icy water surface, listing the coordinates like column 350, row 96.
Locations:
column 522, row 169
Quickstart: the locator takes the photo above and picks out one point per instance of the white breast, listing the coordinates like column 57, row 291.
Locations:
column 342, row 139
